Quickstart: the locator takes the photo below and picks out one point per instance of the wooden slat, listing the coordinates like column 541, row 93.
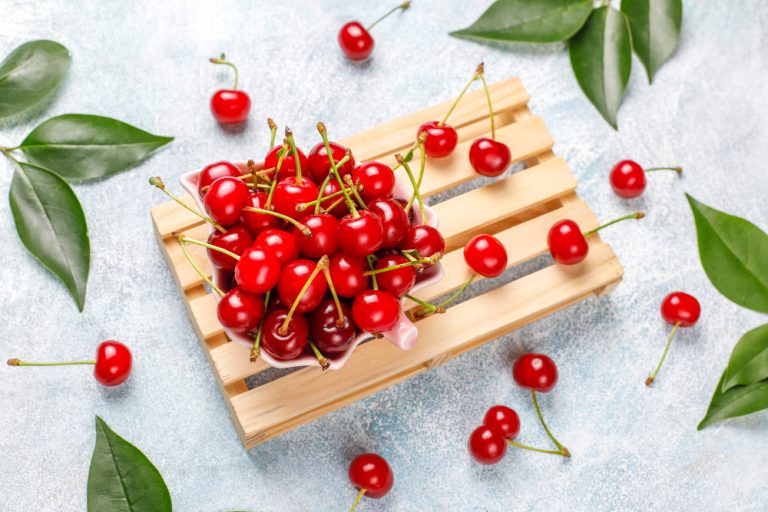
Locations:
column 170, row 217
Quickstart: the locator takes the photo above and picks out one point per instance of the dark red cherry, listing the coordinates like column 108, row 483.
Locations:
column 355, row 41
column 489, row 157
column 280, row 242
column 288, row 344
column 371, row 472
column 289, row 194
column 375, row 311
column 337, row 208
column 399, row 281
column 503, row 419
column 226, row 199
column 393, row 219
column 288, row 167
column 216, row 170
column 113, row 363
column 230, row 106
column 258, row 270
column 258, row 222
column 347, row 274
column 240, row 311
column 566, row 242
column 628, row 179
column 319, row 165
column 292, row 280
column 682, row 308
column 377, row 180
column 425, row 239
column 486, row 255
column 441, row 139
column 237, row 239
column 487, row 445
column 324, row 240
column 362, row 235
column 536, row 372
column 328, row 331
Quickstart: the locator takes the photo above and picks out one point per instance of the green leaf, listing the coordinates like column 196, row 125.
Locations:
column 601, row 58
column 734, row 253
column 51, row 224
column 539, row 21
column 81, row 147
column 735, row 402
column 122, row 479
column 655, row 28
column 749, row 360
column 30, row 74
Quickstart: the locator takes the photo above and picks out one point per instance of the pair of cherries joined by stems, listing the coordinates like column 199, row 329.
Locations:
column 356, row 41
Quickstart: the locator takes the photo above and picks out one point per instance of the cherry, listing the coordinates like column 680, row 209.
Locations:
column 503, row 419
column 331, row 335
column 393, row 218
column 215, row 170
column 425, row 239
column 441, row 138
column 279, row 242
column 288, row 167
column 568, row 245
column 335, row 205
column 355, row 41
column 240, row 311
column 377, row 180
column 255, row 221
column 319, row 165
column 371, row 474
column 487, row 445
column 226, row 199
column 536, row 372
column 258, row 270
column 290, row 193
column 236, row 240
column 230, row 106
column 397, row 281
column 288, row 343
column 360, row 235
column 112, row 365
column 486, row 255
column 489, row 157
column 348, row 274
column 680, row 310
column 293, row 287
column 628, row 178
column 324, row 237
column 375, row 311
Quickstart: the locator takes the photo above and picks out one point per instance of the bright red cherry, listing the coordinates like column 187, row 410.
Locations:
column 319, row 165
column 489, row 157
column 337, row 208
column 486, row 255
column 331, row 332
column 399, row 281
column 536, row 372
column 289, row 194
column 348, row 274
column 375, row 311
column 487, row 445
column 280, row 242
column 371, row 474
column 258, row 270
column 324, row 239
column 628, row 178
column 393, row 219
column 680, row 308
column 226, row 199
column 441, row 139
column 240, row 311
column 237, row 239
column 292, row 281
column 230, row 106
column 361, row 235
column 288, row 167
column 377, row 180
column 425, row 239
column 503, row 419
column 566, row 242
column 355, row 41
column 284, row 344
column 255, row 221
column 216, row 170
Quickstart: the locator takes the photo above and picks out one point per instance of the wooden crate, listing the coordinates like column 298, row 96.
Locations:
column 519, row 209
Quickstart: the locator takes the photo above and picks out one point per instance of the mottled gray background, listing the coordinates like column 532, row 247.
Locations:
column 634, row 448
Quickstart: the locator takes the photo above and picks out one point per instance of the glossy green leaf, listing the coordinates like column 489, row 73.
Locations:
column 749, row 360
column 81, row 147
column 734, row 254
column 601, row 58
column 51, row 224
column 655, row 28
column 122, row 479
column 737, row 401
column 539, row 21
column 30, row 74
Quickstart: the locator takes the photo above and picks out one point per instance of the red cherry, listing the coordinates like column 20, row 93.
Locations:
column 371, row 472
column 486, row 255
column 393, row 218
column 258, row 270
column 279, row 242
column 375, row 311
column 288, row 167
column 489, row 157
column 289, row 194
column 425, row 239
column 377, row 180
column 240, row 311
column 284, row 344
column 324, row 238
column 292, row 280
column 230, row 106
column 216, row 170
column 566, row 242
column 503, row 419
column 338, row 208
column 255, row 221
column 679, row 307
column 487, row 445
column 347, row 274
column 237, row 239
column 331, row 335
column 355, row 41
column 399, row 281
column 226, row 199
column 319, row 165
column 361, row 235
column 536, row 372
column 628, row 179
column 441, row 139
column 113, row 363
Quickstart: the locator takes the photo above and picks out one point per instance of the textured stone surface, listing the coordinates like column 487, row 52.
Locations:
column 634, row 448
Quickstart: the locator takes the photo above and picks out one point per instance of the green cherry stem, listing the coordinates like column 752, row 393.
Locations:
column 301, row 227
column 157, row 181
column 563, row 450
column 335, row 204
column 358, row 498
column 353, row 189
column 458, row 292
column 401, row 161
column 327, row 274
column 678, row 170
column 185, row 239
column 650, row 379
column 417, row 191
column 480, row 73
column 205, row 278
column 430, row 308
column 418, row 263
column 272, row 132
column 371, row 263
column 322, row 264
column 402, row 6
column 636, row 215
column 17, row 362
column 295, row 153
column 533, row 448
column 316, row 202
column 303, row 206
column 456, row 103
column 255, row 350
column 223, row 61
column 350, row 203
column 324, row 362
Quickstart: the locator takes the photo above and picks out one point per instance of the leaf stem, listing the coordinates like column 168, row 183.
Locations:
column 402, row 6
column 650, row 379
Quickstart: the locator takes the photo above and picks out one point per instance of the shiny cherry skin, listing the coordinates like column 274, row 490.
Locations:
column 628, row 179
column 682, row 308
column 441, row 139
column 292, row 280
column 319, row 165
column 566, row 242
column 362, row 235
column 425, row 239
column 486, row 255
column 290, row 344
column 375, row 311
column 371, row 472
column 376, row 178
column 330, row 336
column 239, row 310
column 347, row 274
column 398, row 282
column 216, row 170
column 324, row 239
column 289, row 194
column 339, row 209
column 393, row 218
column 411, row 212
column 230, row 106
column 489, row 157
column 226, row 199
column 355, row 41
column 487, row 445
column 503, row 419
column 536, row 372
column 288, row 167
column 113, row 363
column 258, row 270
column 237, row 239
column 258, row 222
column 280, row 242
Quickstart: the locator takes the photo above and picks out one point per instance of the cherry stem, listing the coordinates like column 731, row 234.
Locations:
column 324, row 134
column 353, row 188
column 563, row 449
column 205, row 278
column 303, row 206
column 401, row 161
column 295, row 153
column 371, row 262
column 335, row 204
column 223, row 60
column 480, row 73
column 402, row 6
column 461, row 95
column 417, row 190
column 534, row 449
column 255, row 352
column 636, row 215
column 678, row 170
column 316, row 202
column 183, row 238
column 327, row 274
column 419, row 264
column 324, row 362
column 272, row 132
column 255, row 173
column 650, row 379
column 357, row 499
column 157, row 181
column 430, row 308
column 16, row 362
column 458, row 292
column 281, row 152
column 301, row 227
column 322, row 264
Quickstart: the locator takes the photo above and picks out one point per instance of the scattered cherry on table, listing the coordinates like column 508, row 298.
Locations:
column 371, row 475
column 356, row 41
column 230, row 106
column 678, row 309
column 628, row 178
column 568, row 244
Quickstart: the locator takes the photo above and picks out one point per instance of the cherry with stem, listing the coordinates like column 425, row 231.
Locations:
column 181, row 238
column 321, row 266
column 229, row 106
column 321, row 359
column 157, row 181
column 627, row 178
column 489, row 157
column 335, row 169
column 678, row 309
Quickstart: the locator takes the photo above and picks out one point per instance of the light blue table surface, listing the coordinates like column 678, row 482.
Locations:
column 633, row 448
